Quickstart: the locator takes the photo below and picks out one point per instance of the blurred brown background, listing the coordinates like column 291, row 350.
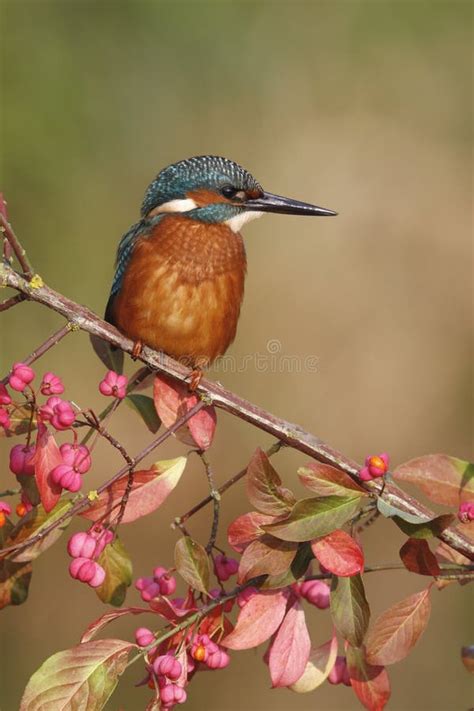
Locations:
column 360, row 106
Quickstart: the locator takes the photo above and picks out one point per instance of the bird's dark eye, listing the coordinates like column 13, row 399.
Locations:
column 228, row 191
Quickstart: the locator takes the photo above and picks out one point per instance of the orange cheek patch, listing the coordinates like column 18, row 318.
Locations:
column 205, row 197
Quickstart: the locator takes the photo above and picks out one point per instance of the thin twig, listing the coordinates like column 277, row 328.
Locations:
column 226, row 485
column 216, row 498
column 85, row 501
column 9, row 492
column 447, row 570
column 12, row 301
column 287, row 432
column 20, row 253
column 53, row 340
column 93, row 421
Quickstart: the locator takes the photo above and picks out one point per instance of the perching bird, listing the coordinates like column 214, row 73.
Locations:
column 180, row 270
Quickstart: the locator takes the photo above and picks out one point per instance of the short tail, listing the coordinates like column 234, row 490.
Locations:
column 110, row 356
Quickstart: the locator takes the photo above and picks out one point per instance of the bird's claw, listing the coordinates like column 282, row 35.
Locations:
column 137, row 349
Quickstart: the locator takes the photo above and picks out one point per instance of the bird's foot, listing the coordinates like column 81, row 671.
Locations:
column 195, row 378
column 137, row 349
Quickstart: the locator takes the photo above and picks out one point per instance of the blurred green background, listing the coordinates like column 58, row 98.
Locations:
column 362, row 106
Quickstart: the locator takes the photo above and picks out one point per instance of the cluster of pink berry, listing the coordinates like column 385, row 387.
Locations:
column 339, row 674
column 466, row 512
column 160, row 583
column 206, row 651
column 375, row 466
column 84, row 548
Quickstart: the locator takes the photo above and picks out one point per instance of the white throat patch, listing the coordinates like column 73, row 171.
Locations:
column 238, row 221
column 183, row 205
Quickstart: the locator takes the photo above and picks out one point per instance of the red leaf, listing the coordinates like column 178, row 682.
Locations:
column 325, row 480
column 258, row 620
column 418, row 558
column 398, row 629
column 290, row 649
column 441, row 478
column 247, row 528
column 266, row 556
column 321, row 661
column 104, row 620
column 339, row 553
column 46, row 457
column 166, row 608
column 370, row 683
column 173, row 400
column 264, row 489
column 149, row 490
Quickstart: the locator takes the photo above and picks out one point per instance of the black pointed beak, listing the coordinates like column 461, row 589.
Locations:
column 276, row 203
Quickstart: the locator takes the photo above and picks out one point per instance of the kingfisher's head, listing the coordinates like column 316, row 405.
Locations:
column 214, row 189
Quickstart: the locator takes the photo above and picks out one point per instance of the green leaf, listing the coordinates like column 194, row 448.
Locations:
column 389, row 511
column 83, row 677
column 427, row 529
column 295, row 572
column 33, row 524
column 145, row 407
column 325, row 480
column 14, row 582
column 192, row 563
column 349, row 608
column 311, row 518
column 118, row 573
column 111, row 357
column 264, row 489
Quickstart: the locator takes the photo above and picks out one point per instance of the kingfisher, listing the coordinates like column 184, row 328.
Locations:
column 180, row 270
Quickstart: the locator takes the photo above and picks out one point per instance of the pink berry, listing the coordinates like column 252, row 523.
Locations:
column 144, row 636
column 59, row 412
column 148, row 587
column 218, row 660
column 65, row 476
column 339, row 674
column 172, row 694
column 114, row 385
column 225, row 567
column 375, row 465
column 21, row 376
column 466, row 512
column 51, row 384
column 102, row 539
column 4, row 418
column 5, row 398
column 20, row 459
column 167, row 584
column 5, row 508
column 77, row 456
column 316, row 592
column 82, row 545
column 87, row 571
column 167, row 665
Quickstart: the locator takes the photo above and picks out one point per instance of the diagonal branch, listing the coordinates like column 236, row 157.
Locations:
column 286, row 432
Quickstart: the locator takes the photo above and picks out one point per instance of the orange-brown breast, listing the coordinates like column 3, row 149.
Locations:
column 183, row 289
